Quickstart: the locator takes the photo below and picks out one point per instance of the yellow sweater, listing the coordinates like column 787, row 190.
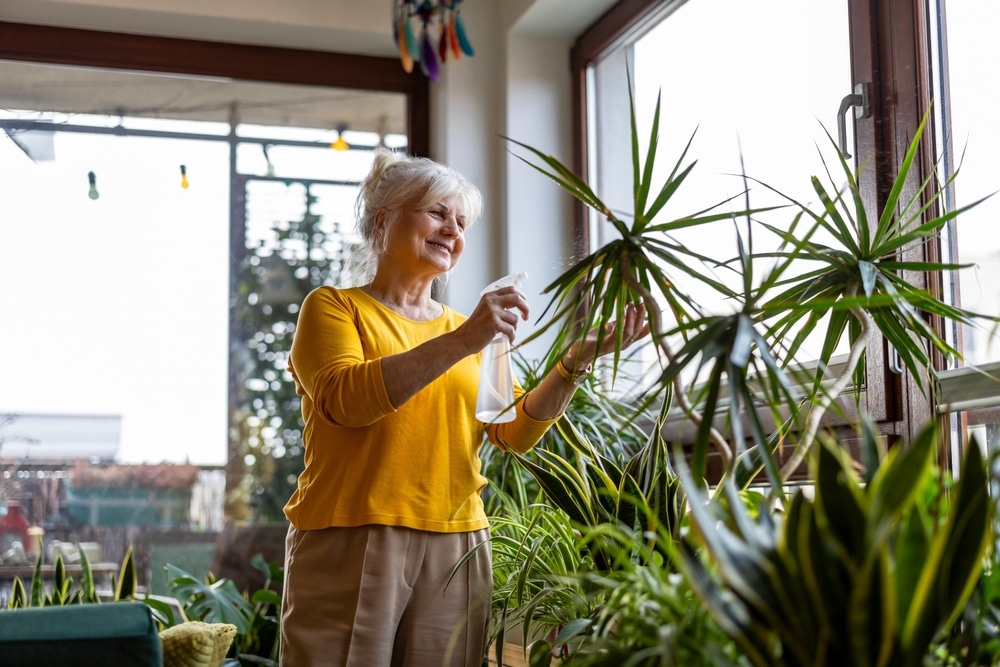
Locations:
column 368, row 462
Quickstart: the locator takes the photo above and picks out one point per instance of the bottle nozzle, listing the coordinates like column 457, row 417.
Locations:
column 512, row 280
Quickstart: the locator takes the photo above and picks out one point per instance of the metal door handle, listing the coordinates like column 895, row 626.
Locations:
column 859, row 100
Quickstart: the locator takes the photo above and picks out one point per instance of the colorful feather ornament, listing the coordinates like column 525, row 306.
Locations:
column 412, row 47
column 463, row 39
column 442, row 34
column 456, row 49
column 443, row 43
column 428, row 61
column 404, row 53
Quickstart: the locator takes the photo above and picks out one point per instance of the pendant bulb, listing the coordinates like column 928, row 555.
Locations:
column 92, row 179
column 340, row 144
column 184, row 178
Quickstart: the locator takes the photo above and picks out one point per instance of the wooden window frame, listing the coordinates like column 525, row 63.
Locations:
column 112, row 50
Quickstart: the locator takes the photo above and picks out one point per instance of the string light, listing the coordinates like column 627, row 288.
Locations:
column 92, row 179
column 184, row 178
column 383, row 129
column 340, row 144
column 267, row 158
column 438, row 21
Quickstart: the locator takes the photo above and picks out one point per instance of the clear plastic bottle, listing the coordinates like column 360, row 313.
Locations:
column 496, row 377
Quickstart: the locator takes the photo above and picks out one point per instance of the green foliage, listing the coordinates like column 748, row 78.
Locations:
column 635, row 610
column 64, row 590
column 864, row 263
column 872, row 568
column 975, row 638
column 537, row 554
column 615, row 425
column 855, row 281
column 255, row 616
column 644, row 264
column 861, row 574
column 650, row 616
column 593, row 489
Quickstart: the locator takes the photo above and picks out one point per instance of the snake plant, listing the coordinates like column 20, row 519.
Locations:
column 866, row 572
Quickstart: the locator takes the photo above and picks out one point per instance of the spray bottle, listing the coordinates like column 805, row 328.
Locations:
column 496, row 376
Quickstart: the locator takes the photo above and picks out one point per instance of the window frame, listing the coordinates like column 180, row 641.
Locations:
column 123, row 51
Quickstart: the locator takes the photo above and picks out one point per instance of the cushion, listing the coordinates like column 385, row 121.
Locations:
column 111, row 634
column 196, row 644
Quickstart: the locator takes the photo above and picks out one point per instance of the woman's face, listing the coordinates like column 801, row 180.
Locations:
column 428, row 241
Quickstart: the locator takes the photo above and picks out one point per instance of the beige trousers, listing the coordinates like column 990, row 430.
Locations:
column 380, row 596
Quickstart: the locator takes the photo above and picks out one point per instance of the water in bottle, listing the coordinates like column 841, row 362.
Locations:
column 495, row 401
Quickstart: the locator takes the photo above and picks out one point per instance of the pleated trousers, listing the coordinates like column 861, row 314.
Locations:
column 384, row 596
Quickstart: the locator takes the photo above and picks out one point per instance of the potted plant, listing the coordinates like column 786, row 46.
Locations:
column 753, row 397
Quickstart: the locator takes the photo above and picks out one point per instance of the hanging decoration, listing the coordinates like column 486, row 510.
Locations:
column 92, row 179
column 184, row 177
column 441, row 34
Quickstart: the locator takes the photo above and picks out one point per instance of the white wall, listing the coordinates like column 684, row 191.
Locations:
column 539, row 214
column 517, row 86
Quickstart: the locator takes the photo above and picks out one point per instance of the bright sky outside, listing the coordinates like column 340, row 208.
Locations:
column 776, row 101
column 120, row 305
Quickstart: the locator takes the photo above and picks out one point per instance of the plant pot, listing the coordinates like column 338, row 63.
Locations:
column 97, row 506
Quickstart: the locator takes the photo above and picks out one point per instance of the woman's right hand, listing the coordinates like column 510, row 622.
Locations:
column 496, row 313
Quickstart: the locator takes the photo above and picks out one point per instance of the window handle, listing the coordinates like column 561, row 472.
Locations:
column 895, row 362
column 859, row 100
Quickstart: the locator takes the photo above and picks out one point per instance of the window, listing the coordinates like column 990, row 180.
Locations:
column 215, row 264
column 736, row 94
column 967, row 140
column 773, row 75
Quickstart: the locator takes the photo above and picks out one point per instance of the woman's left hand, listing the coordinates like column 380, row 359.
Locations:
column 597, row 343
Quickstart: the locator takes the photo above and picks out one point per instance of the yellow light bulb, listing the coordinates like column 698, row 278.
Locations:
column 184, row 178
column 340, row 144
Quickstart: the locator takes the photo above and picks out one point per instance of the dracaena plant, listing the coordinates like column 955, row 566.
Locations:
column 859, row 278
column 855, row 282
column 646, row 264
column 640, row 494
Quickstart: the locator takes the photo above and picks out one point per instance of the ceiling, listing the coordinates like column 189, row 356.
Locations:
column 37, row 87
column 354, row 27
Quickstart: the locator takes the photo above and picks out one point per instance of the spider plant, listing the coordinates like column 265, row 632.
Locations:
column 536, row 551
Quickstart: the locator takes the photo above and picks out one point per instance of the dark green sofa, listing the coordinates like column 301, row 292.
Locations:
column 112, row 634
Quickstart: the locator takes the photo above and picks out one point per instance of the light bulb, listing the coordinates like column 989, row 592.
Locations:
column 340, row 144
column 93, row 194
column 184, row 178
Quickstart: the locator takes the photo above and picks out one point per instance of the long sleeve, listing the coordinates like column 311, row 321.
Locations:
column 329, row 363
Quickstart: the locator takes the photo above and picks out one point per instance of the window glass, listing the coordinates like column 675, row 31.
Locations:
column 760, row 93
column 968, row 142
column 152, row 260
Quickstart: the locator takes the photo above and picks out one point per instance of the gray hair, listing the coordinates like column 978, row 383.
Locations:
column 397, row 182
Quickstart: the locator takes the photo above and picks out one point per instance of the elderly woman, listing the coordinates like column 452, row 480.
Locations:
column 389, row 500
